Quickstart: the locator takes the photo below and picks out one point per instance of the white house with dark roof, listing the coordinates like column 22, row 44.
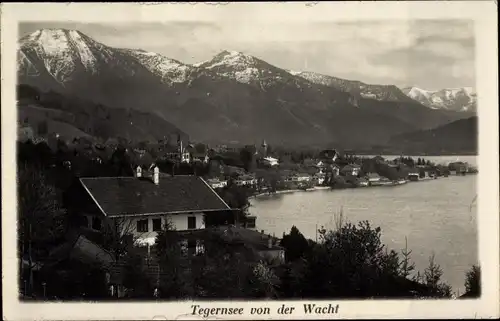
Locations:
column 141, row 205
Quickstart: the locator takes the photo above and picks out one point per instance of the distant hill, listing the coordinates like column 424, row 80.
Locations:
column 457, row 137
column 72, row 117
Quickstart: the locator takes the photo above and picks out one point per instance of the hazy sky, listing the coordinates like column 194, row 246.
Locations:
column 430, row 54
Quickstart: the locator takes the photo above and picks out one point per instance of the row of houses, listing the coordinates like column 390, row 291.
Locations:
column 316, row 177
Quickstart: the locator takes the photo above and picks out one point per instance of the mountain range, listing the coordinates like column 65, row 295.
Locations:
column 231, row 98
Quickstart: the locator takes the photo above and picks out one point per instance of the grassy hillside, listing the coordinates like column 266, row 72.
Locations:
column 73, row 117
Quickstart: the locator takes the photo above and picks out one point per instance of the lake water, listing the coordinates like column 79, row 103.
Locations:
column 436, row 216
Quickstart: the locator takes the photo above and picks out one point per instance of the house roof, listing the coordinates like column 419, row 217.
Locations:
column 130, row 196
column 79, row 247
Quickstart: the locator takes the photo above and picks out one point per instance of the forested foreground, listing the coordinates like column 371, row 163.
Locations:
column 348, row 261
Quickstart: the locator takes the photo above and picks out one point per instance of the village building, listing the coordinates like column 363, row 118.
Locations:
column 270, row 161
column 351, row 169
column 334, row 169
column 413, row 176
column 301, row 177
column 320, row 178
column 320, row 164
column 459, row 168
column 217, row 183
column 246, row 180
column 243, row 240
column 178, row 153
column 140, row 206
column 373, row 178
column 362, row 182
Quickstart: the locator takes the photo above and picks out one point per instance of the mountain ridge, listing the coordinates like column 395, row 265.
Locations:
column 230, row 101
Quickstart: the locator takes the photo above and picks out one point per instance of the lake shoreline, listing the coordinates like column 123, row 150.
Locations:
column 322, row 188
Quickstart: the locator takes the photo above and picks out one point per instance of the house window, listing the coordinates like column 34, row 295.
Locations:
column 96, row 223
column 142, row 226
column 191, row 222
column 156, row 224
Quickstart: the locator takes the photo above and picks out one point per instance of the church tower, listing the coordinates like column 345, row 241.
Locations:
column 264, row 148
column 179, row 146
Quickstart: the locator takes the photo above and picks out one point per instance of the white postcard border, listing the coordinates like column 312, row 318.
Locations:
column 483, row 13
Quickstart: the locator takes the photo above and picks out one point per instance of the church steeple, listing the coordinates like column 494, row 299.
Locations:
column 264, row 147
column 179, row 146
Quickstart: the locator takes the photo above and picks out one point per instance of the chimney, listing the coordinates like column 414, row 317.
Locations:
column 138, row 172
column 156, row 175
column 270, row 243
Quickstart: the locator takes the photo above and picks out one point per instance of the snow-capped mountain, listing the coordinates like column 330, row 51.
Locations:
column 354, row 87
column 453, row 99
column 248, row 69
column 169, row 70
column 233, row 96
column 62, row 54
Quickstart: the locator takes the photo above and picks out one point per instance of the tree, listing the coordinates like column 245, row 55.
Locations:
column 42, row 220
column 265, row 280
column 120, row 163
column 247, row 158
column 173, row 264
column 102, row 129
column 473, row 282
column 268, row 178
column 135, row 277
column 432, row 278
column 237, row 198
column 39, row 206
column 368, row 166
column 42, row 128
column 295, row 244
column 26, row 91
column 350, row 261
column 117, row 236
column 200, row 148
column 407, row 267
